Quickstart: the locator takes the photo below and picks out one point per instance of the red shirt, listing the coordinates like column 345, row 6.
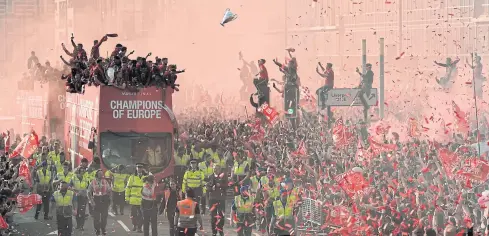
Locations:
column 263, row 72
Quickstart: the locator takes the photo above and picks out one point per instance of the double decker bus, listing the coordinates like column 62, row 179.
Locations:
column 122, row 128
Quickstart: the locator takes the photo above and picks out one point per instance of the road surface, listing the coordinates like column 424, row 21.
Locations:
column 26, row 225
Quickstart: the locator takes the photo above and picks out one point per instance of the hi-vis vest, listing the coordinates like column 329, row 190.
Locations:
column 197, row 155
column 119, row 181
column 193, row 179
column 181, row 161
column 44, row 179
column 56, row 160
column 133, row 190
column 239, row 169
column 206, row 169
column 64, row 204
column 281, row 211
column 79, row 184
column 187, row 217
column 243, row 206
column 67, row 178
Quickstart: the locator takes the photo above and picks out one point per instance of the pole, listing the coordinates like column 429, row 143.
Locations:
column 364, row 56
column 399, row 49
column 381, row 72
column 476, row 109
column 285, row 25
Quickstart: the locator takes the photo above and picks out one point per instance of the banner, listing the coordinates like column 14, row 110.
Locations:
column 351, row 182
column 25, row 172
column 474, row 169
column 337, row 216
column 341, row 136
column 270, row 113
column 26, row 202
column 413, row 129
column 449, row 161
column 27, row 146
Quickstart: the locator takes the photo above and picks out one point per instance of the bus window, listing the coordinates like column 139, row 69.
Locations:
column 153, row 149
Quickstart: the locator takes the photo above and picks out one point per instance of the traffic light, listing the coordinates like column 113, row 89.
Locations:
column 291, row 95
column 478, row 8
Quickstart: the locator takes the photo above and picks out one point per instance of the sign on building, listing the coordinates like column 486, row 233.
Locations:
column 345, row 96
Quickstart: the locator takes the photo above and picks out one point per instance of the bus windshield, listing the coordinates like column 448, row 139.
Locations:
column 121, row 148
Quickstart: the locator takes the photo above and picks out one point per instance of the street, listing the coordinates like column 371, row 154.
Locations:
column 26, row 225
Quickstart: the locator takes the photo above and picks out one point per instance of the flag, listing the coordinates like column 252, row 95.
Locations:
column 27, row 146
column 308, row 102
column 351, row 182
column 376, row 148
column 337, row 215
column 449, row 161
column 461, row 118
column 341, row 136
column 413, row 129
column 474, row 169
column 25, row 172
column 3, row 223
column 270, row 113
column 27, row 202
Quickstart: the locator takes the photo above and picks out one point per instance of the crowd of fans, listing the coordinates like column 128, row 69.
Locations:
column 409, row 190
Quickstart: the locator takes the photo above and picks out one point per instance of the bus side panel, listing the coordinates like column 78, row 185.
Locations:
column 56, row 109
column 81, row 115
column 33, row 110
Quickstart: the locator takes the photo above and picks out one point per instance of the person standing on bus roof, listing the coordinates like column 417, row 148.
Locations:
column 134, row 198
column 99, row 197
column 118, row 179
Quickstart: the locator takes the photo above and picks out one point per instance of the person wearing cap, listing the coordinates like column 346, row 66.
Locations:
column 44, row 179
column 133, row 196
column 244, row 205
column 187, row 214
column 282, row 215
column 118, row 179
column 149, row 206
column 99, row 197
column 169, row 203
column 55, row 157
column 240, row 173
column 195, row 179
column 217, row 187
column 64, row 209
column 365, row 88
column 80, row 187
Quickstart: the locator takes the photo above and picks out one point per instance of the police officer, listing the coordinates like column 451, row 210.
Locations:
column 55, row 157
column 244, row 205
column 187, row 214
column 44, row 181
column 181, row 162
column 99, row 192
column 206, row 168
column 64, row 174
column 195, row 179
column 283, row 215
column 133, row 196
column 169, row 204
column 80, row 187
column 119, row 180
column 149, row 206
column 64, row 209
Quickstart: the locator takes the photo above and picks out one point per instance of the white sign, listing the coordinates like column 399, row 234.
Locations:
column 345, row 96
column 136, row 109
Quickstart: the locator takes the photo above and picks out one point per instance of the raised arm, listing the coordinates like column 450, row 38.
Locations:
column 73, row 41
column 64, row 61
column 319, row 73
column 441, row 64
column 321, row 65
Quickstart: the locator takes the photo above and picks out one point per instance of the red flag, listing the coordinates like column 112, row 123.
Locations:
column 341, row 136
column 26, row 202
column 270, row 113
column 474, row 169
column 3, row 223
column 307, row 102
column 413, row 130
column 27, row 146
column 448, row 160
column 376, row 147
column 25, row 172
column 338, row 216
column 461, row 117
column 351, row 182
